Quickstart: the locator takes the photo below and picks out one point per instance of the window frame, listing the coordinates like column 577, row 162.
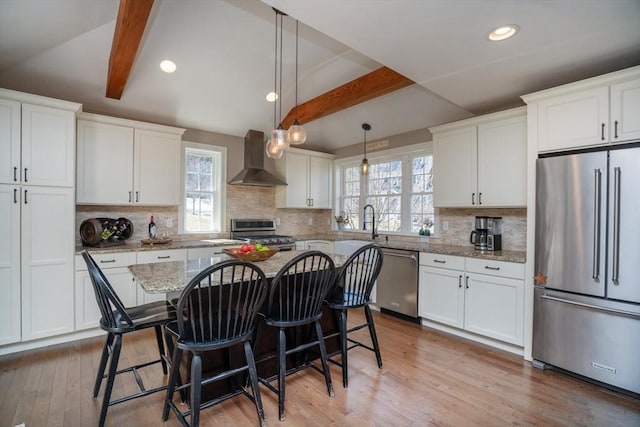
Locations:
column 406, row 155
column 221, row 176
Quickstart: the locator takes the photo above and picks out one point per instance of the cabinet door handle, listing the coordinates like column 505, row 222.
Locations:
column 164, row 257
column 466, row 282
column 440, row 261
column 137, row 196
column 479, row 198
column 487, row 267
column 15, row 195
column 15, row 174
column 25, row 175
column 473, row 198
column 25, row 197
column 616, row 130
column 107, row 261
column 129, row 196
column 602, row 136
column 460, row 281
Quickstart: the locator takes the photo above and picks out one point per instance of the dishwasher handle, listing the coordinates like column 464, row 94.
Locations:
column 400, row 255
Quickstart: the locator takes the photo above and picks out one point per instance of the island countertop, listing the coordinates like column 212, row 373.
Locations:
column 164, row 277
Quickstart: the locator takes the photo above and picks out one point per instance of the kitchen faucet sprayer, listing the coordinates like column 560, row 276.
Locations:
column 374, row 233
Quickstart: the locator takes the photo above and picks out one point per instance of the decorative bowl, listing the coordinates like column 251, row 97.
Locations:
column 252, row 256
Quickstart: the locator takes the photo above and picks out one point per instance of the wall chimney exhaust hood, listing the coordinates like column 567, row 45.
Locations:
column 254, row 172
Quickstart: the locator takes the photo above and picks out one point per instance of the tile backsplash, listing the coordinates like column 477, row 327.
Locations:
column 259, row 202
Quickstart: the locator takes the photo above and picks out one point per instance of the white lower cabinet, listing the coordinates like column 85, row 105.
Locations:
column 146, row 257
column 315, row 245
column 479, row 296
column 114, row 266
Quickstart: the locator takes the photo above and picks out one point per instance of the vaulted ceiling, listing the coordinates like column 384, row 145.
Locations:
column 224, row 50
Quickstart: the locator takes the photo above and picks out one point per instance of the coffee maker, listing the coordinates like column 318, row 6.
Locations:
column 487, row 235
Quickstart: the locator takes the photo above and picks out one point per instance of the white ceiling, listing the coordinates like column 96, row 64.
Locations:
column 224, row 50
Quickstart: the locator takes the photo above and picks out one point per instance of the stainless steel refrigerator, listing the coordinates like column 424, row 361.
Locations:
column 587, row 265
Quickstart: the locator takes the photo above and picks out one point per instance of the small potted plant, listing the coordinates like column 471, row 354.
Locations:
column 342, row 219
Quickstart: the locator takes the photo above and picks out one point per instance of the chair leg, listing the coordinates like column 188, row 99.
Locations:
column 196, row 384
column 324, row 358
column 372, row 332
column 174, row 379
column 111, row 376
column 103, row 364
column 344, row 348
column 160, row 341
column 282, row 371
column 253, row 375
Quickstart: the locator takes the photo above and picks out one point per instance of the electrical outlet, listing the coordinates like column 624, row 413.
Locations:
column 277, row 221
column 310, row 221
column 445, row 225
column 169, row 222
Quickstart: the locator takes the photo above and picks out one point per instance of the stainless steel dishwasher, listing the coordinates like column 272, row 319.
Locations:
column 397, row 286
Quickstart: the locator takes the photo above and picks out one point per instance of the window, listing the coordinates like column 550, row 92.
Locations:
column 204, row 188
column 399, row 186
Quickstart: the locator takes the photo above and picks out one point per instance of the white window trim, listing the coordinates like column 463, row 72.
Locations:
column 407, row 152
column 223, row 187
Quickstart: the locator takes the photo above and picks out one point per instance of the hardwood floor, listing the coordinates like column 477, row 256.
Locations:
column 429, row 378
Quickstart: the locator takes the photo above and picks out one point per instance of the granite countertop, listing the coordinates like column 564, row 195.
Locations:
column 420, row 246
column 163, row 277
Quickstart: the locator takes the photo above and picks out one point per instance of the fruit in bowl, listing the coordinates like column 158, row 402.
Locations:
column 247, row 252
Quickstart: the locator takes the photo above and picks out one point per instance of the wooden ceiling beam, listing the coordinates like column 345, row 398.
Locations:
column 372, row 85
column 132, row 19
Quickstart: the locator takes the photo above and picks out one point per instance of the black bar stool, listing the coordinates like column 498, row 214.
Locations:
column 295, row 299
column 219, row 307
column 117, row 321
column 353, row 290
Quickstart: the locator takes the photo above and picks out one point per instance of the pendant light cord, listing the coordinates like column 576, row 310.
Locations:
column 280, row 97
column 296, row 121
column 275, row 76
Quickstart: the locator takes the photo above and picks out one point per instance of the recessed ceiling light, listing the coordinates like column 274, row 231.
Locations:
column 272, row 96
column 502, row 33
column 168, row 66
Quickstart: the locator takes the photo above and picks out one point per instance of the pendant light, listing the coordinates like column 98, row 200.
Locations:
column 278, row 141
column 297, row 134
column 364, row 166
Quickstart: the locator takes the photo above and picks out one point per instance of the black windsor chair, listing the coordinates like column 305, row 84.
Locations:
column 295, row 299
column 220, row 307
column 116, row 321
column 353, row 290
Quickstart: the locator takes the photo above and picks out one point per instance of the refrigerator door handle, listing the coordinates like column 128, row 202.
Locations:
column 597, row 175
column 616, row 224
column 591, row 306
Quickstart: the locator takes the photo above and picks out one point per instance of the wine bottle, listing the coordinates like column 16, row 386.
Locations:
column 153, row 230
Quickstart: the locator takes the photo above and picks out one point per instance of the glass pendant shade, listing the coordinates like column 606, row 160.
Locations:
column 364, row 167
column 273, row 150
column 279, row 138
column 297, row 134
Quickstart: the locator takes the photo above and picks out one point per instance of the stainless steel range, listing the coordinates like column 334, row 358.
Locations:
column 261, row 231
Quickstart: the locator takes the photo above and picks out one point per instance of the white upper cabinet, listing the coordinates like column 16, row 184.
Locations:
column 37, row 142
column 124, row 162
column 625, row 111
column 481, row 162
column 594, row 112
column 10, row 170
column 309, row 176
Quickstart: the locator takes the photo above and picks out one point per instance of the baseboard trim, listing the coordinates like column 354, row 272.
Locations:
column 45, row 342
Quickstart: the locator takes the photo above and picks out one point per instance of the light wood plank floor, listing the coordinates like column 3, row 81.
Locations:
column 429, row 378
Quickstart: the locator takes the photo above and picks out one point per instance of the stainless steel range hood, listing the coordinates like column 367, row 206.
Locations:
column 254, row 172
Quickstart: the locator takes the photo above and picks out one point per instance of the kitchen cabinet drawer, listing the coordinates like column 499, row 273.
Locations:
column 495, row 268
column 108, row 260
column 442, row 261
column 166, row 255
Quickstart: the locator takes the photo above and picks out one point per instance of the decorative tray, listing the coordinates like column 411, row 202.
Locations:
column 157, row 241
column 251, row 256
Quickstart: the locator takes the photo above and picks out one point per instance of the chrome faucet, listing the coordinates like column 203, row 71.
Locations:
column 374, row 233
